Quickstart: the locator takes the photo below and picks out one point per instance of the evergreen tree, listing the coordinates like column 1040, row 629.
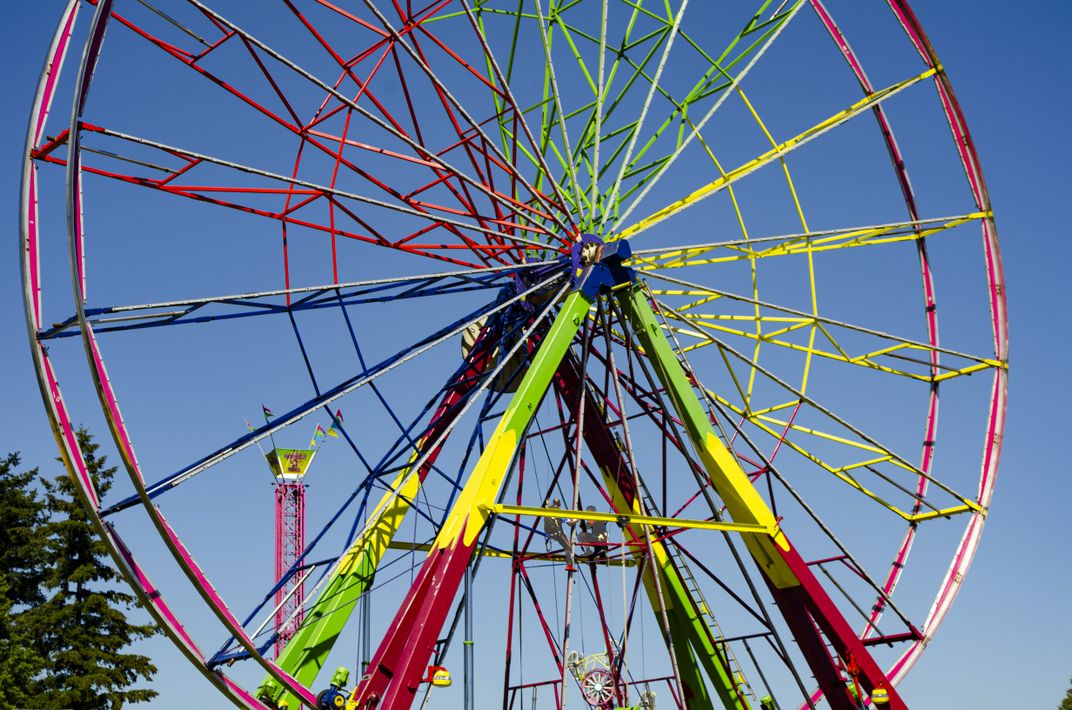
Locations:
column 22, row 571
column 83, row 628
column 1066, row 704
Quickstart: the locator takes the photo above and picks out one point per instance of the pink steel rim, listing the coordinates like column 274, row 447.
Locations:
column 969, row 542
column 109, row 403
column 55, row 408
column 965, row 551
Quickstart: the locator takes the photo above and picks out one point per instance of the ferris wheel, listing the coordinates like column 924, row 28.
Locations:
column 623, row 317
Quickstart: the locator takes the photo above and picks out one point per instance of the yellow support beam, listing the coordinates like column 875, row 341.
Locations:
column 947, row 512
column 504, row 555
column 633, row 518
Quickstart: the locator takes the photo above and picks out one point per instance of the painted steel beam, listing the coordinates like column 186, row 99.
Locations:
column 803, row 601
column 509, row 555
column 306, row 652
column 692, row 639
column 631, row 518
column 396, row 670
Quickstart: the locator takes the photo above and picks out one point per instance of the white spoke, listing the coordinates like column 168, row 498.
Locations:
column 672, row 257
column 990, row 362
column 422, row 151
column 599, row 108
column 323, row 189
column 707, row 117
column 558, row 105
column 501, row 78
column 626, row 161
column 778, row 152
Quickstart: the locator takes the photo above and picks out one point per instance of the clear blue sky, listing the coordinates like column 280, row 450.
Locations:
column 1004, row 645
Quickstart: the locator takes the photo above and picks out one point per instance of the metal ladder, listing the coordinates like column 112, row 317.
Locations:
column 700, row 602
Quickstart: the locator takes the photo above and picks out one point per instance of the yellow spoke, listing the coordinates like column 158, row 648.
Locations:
column 775, row 153
column 704, row 323
column 837, row 355
column 774, row 428
column 774, row 408
column 791, row 244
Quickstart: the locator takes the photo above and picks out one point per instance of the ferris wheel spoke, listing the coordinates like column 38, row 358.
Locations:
column 603, row 105
column 281, row 301
column 310, row 192
column 420, row 150
column 298, row 127
column 472, row 140
column 191, row 58
column 549, row 69
column 468, row 140
column 602, row 108
column 888, row 343
column 777, row 331
column 626, row 161
column 323, row 399
column 474, row 125
column 887, row 456
column 508, row 97
column 599, row 111
column 600, row 88
column 771, row 29
column 814, row 241
column 778, row 153
column 460, row 192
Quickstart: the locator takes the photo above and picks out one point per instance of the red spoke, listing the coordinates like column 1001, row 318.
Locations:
column 363, row 91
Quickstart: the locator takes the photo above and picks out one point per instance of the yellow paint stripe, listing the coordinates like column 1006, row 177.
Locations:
column 470, row 512
column 386, row 518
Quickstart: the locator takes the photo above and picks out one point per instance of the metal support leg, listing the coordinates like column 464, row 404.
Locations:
column 396, row 669
column 799, row 594
column 470, row 678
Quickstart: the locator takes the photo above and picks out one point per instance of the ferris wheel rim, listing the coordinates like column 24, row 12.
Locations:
column 965, row 551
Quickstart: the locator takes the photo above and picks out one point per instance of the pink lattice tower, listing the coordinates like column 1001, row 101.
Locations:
column 289, row 467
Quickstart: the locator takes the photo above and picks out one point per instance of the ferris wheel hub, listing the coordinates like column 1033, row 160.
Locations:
column 597, row 265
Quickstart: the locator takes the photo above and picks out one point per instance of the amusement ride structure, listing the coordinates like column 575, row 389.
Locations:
column 689, row 452
column 289, row 467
